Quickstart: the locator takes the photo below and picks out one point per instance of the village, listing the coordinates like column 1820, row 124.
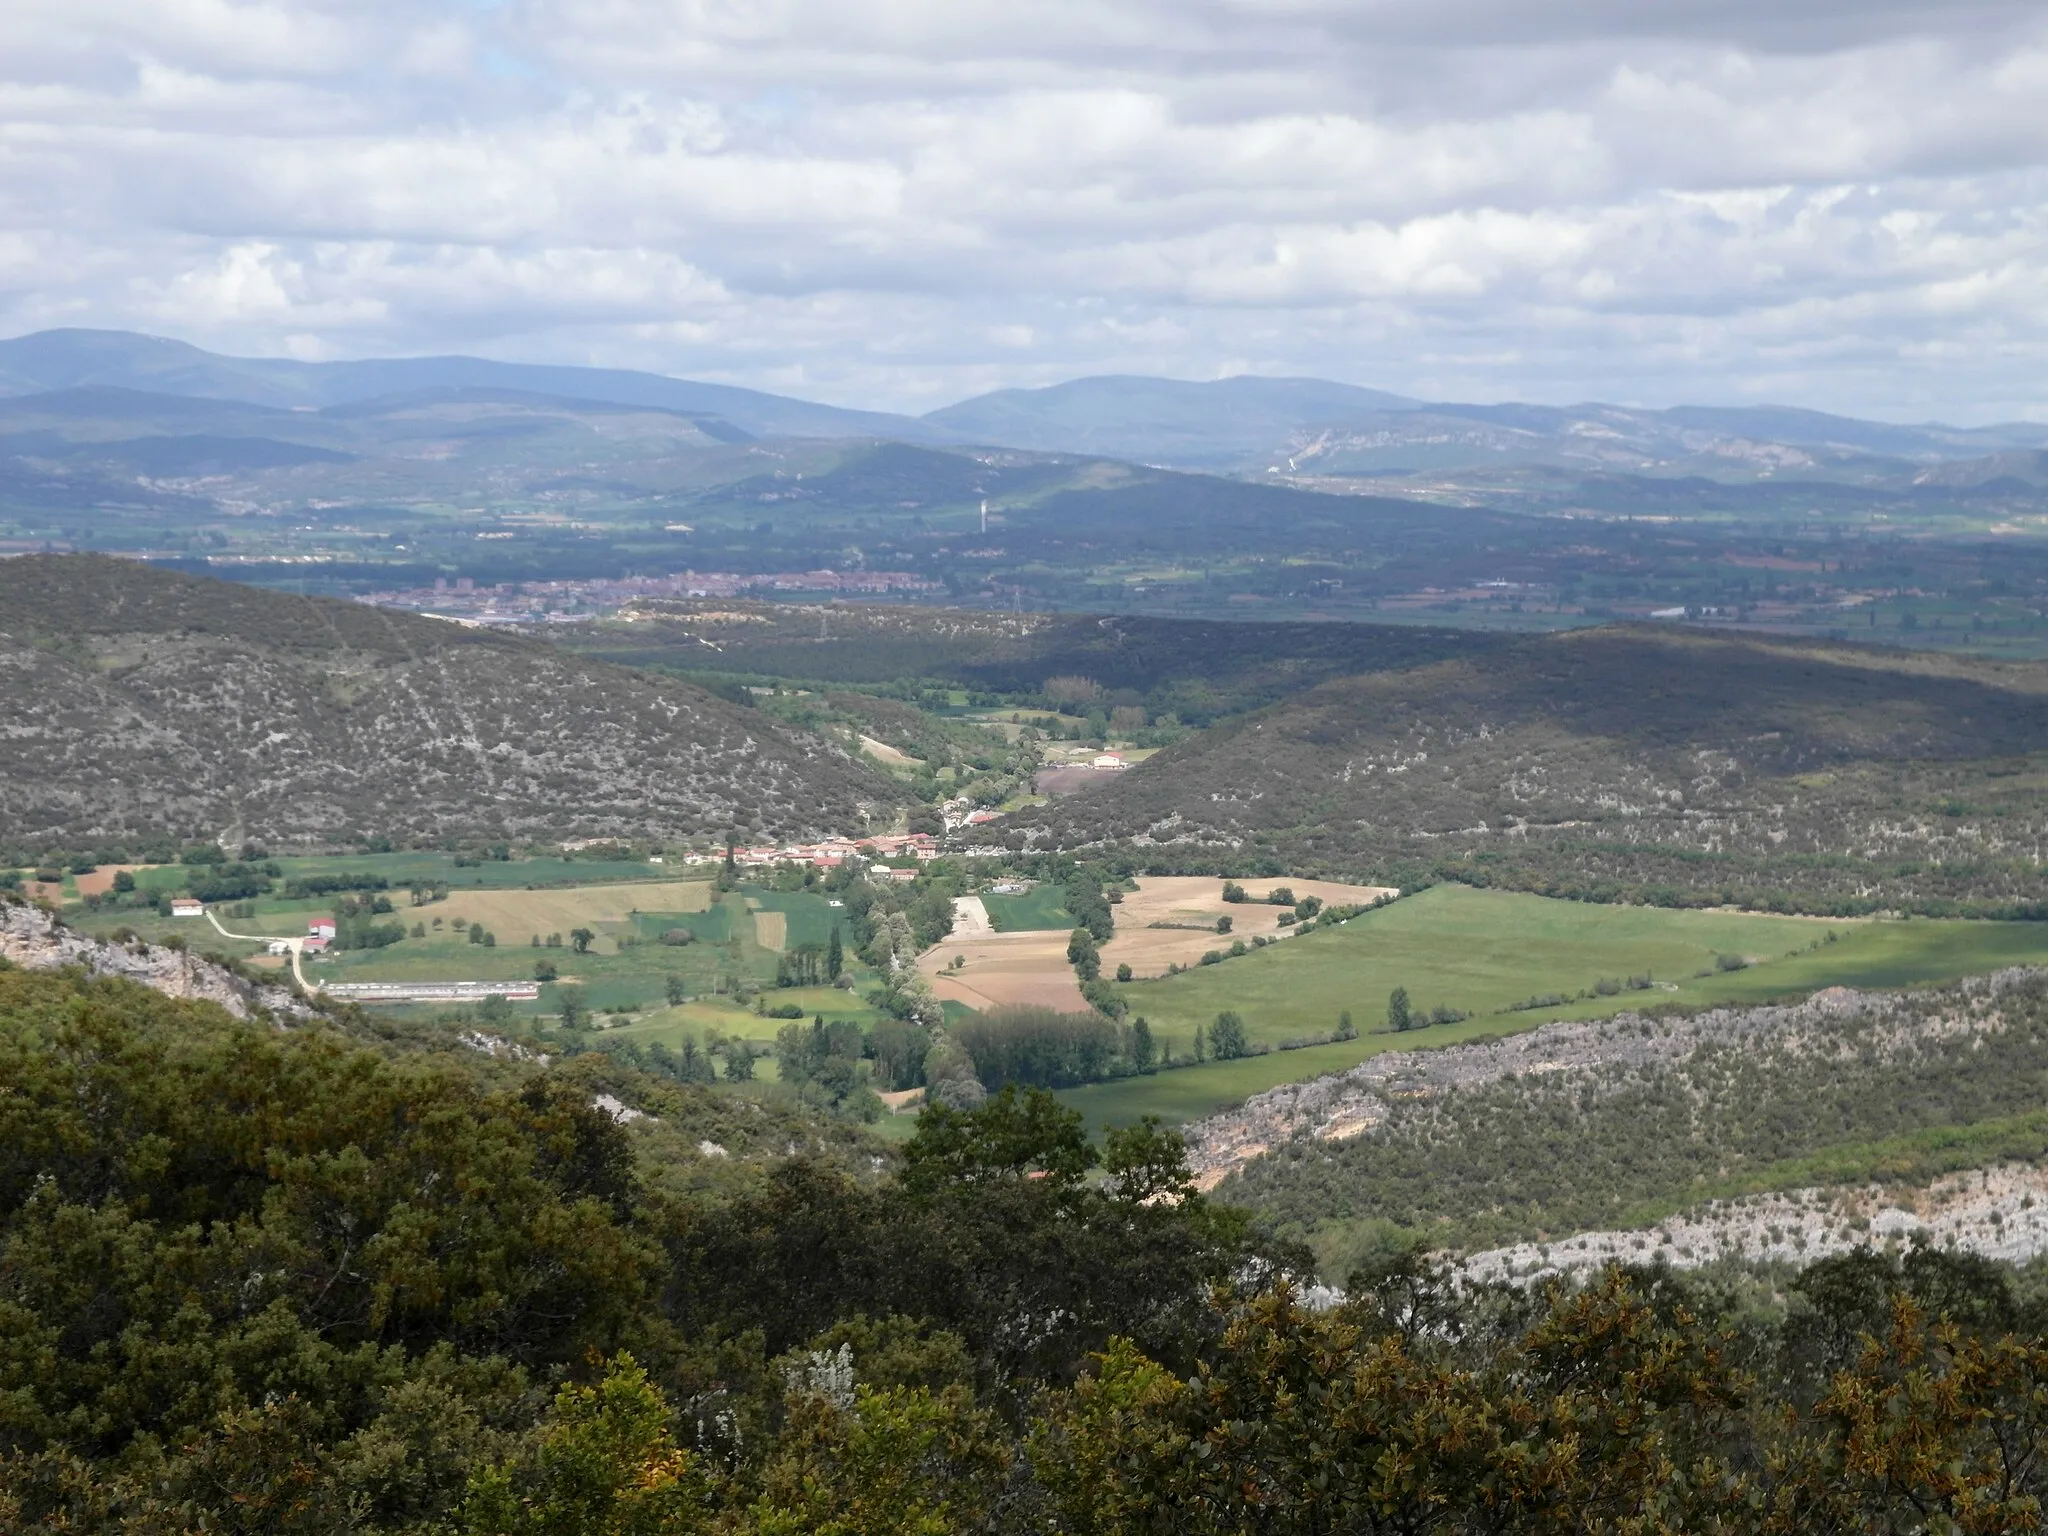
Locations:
column 464, row 600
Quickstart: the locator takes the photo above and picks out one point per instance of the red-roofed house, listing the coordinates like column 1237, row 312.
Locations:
column 320, row 927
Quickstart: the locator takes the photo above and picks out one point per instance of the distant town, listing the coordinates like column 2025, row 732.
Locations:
column 571, row 602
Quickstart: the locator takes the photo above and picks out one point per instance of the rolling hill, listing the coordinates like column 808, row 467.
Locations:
column 1252, row 425
column 1164, row 421
column 71, row 359
column 146, row 705
column 1199, row 668
column 1661, row 765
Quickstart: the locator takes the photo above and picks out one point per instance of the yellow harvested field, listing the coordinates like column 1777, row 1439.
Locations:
column 512, row 915
column 771, row 931
column 885, row 754
column 1006, row 968
column 1197, row 900
column 1032, row 967
column 101, row 880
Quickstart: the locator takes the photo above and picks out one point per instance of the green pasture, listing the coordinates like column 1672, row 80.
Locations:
column 1038, row 909
column 411, row 868
column 810, row 918
column 1481, row 951
column 611, row 975
column 1475, row 951
column 715, row 925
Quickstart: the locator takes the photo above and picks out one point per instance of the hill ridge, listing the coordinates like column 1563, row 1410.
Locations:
column 160, row 705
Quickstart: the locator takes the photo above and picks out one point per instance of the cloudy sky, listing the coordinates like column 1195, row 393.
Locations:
column 1835, row 203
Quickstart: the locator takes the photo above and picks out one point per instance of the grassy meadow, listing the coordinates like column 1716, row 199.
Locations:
column 1480, row 952
column 1038, row 910
column 734, row 936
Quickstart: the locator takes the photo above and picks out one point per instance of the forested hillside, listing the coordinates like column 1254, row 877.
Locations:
column 147, row 705
column 1626, row 763
column 1195, row 669
column 300, row 1281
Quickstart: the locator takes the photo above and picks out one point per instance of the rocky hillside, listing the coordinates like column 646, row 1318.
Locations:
column 1657, row 765
column 147, row 704
column 37, row 941
column 1613, row 1126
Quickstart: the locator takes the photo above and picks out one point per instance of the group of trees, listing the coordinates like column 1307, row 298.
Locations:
column 811, row 965
column 302, row 1282
column 356, row 924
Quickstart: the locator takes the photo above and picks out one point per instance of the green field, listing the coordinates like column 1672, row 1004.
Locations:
column 1480, row 951
column 810, row 918
column 1037, row 910
column 422, row 868
column 714, row 926
column 627, row 967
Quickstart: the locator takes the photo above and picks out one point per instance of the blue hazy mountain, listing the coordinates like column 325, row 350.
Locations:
column 50, row 361
column 1245, row 425
column 1160, row 421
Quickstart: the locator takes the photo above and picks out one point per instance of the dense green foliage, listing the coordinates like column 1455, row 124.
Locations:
column 1041, row 1047
column 261, row 1280
column 275, row 1280
column 1195, row 670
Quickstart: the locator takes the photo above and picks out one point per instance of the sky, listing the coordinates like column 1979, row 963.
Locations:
column 1840, row 204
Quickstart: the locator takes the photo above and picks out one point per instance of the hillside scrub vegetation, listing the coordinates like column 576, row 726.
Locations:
column 153, row 705
column 1626, row 764
column 1197, row 671
column 1612, row 1124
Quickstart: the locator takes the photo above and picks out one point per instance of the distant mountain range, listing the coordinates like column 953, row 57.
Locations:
column 1271, row 427
column 75, row 359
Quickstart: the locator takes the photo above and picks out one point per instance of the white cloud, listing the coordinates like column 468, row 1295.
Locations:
column 899, row 201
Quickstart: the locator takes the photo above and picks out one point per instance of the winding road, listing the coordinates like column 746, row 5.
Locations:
column 298, row 971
